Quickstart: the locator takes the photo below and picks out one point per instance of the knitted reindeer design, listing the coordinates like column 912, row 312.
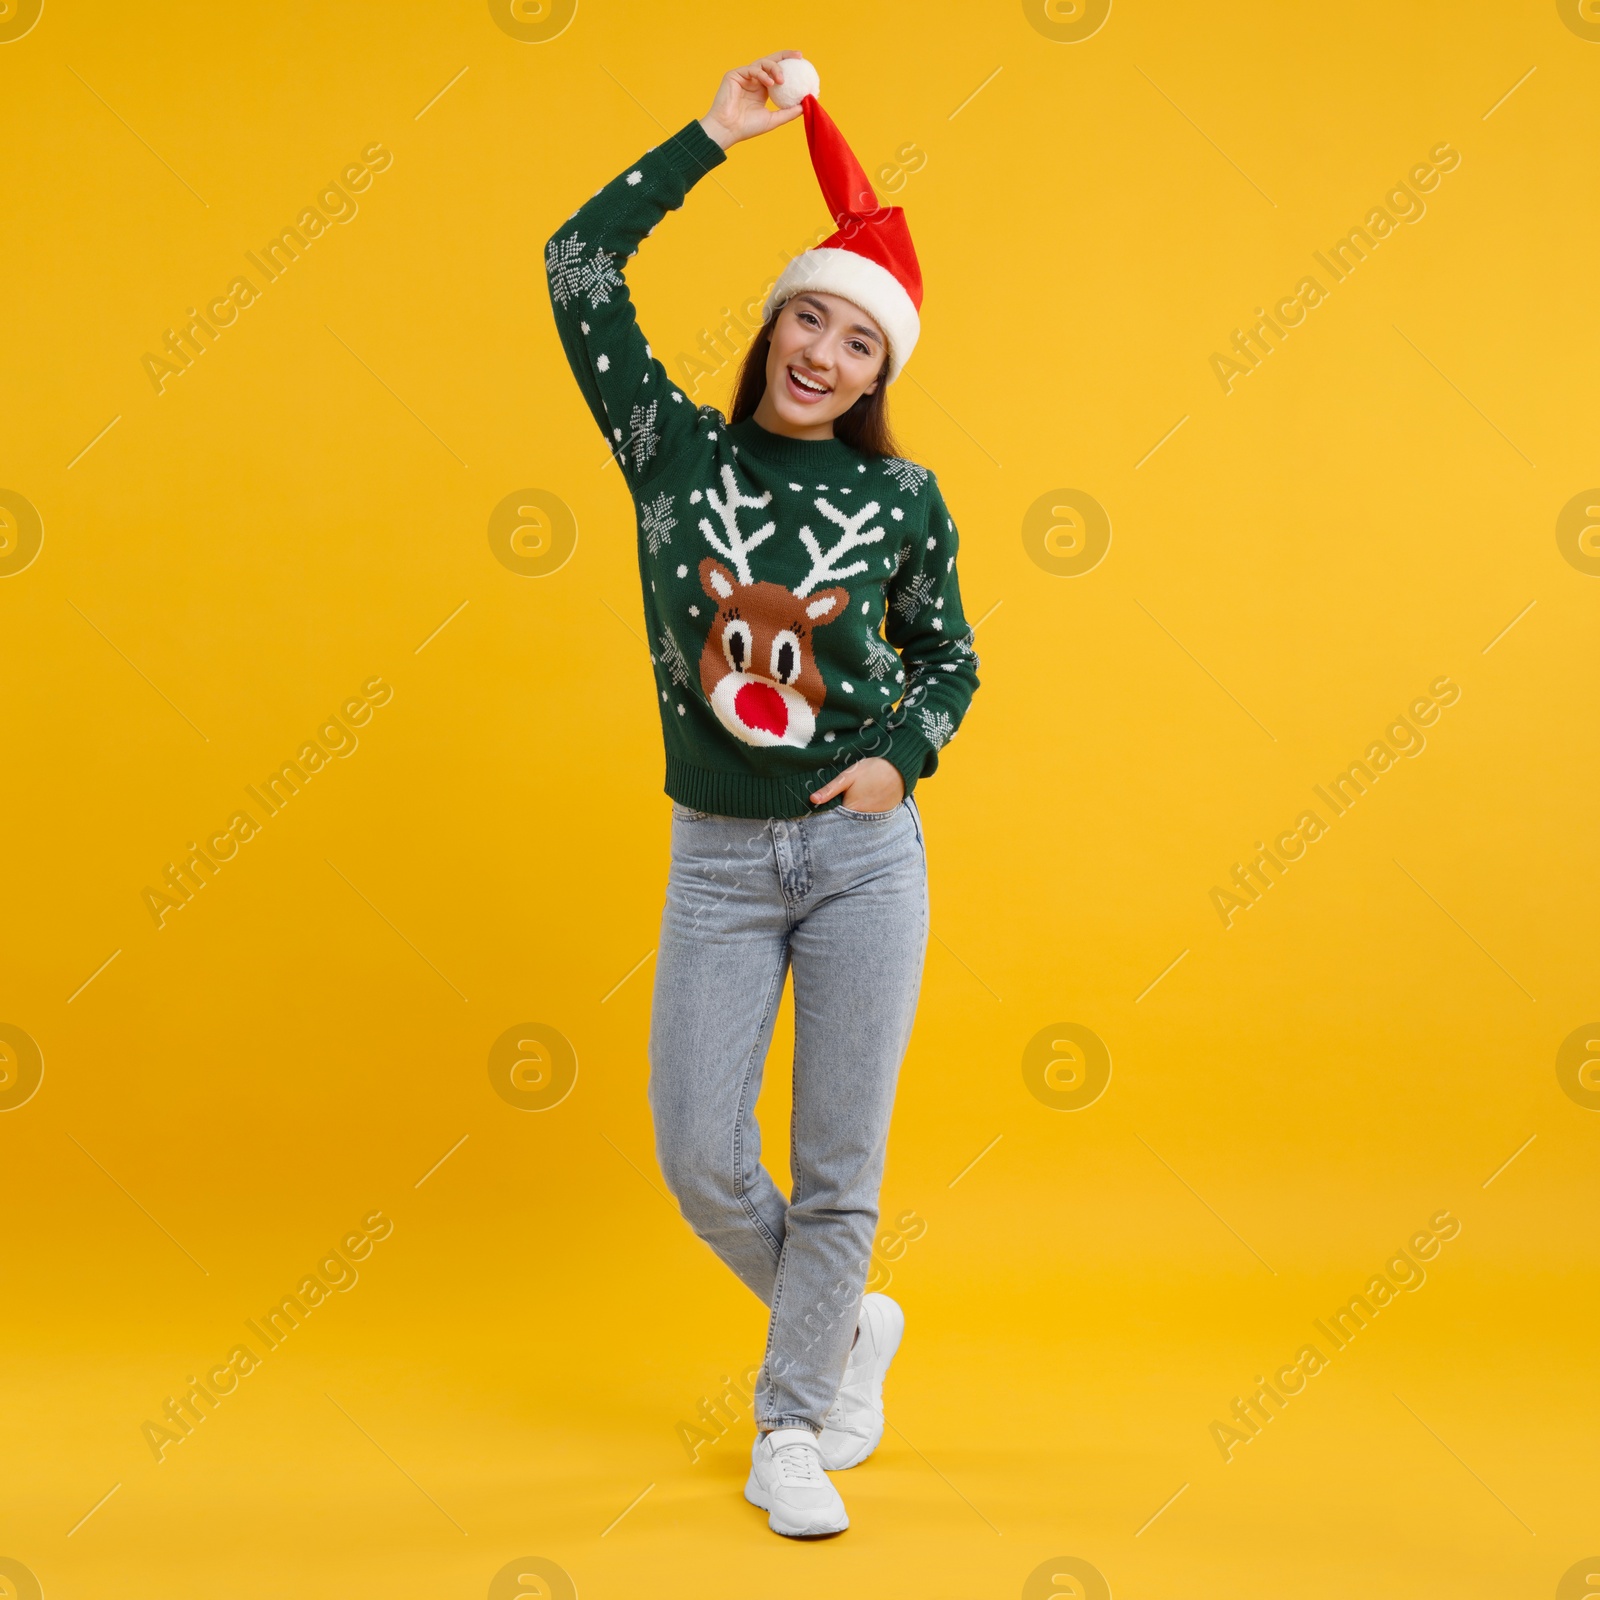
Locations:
column 757, row 669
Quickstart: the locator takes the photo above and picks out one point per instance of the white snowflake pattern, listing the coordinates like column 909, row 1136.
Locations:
column 937, row 728
column 914, row 596
column 906, row 474
column 881, row 660
column 563, row 266
column 642, row 431
column 570, row 275
column 657, row 520
column 672, row 662
column 902, row 556
column 600, row 277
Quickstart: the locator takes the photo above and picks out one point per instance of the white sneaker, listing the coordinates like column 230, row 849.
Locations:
column 787, row 1481
column 854, row 1425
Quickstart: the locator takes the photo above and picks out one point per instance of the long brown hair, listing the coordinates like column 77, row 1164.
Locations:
column 864, row 427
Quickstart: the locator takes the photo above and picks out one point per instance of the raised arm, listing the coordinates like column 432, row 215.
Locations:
column 638, row 408
column 928, row 627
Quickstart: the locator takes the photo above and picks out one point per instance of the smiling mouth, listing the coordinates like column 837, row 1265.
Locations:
column 805, row 387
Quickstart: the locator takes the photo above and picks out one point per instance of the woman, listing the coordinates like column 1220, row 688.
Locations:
column 812, row 659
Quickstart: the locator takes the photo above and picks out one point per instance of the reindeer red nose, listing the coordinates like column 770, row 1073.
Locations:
column 761, row 706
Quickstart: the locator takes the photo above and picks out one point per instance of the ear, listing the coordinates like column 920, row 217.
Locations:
column 716, row 580
column 826, row 605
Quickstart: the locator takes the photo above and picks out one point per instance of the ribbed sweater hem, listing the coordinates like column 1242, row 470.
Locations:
column 740, row 794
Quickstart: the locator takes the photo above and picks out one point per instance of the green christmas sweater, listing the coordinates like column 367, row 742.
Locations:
column 801, row 596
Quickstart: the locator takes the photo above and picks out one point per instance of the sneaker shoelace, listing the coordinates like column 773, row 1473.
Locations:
column 799, row 1465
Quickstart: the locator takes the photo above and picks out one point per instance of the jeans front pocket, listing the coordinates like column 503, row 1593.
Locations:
column 686, row 814
column 870, row 816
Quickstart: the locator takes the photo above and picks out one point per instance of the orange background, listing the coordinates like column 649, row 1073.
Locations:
column 1290, row 565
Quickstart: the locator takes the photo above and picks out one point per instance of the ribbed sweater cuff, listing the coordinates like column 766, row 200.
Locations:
column 692, row 152
column 911, row 754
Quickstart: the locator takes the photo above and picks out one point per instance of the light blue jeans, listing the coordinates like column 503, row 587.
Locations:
column 840, row 898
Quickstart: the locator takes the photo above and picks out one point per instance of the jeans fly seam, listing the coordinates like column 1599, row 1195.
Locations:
column 791, row 852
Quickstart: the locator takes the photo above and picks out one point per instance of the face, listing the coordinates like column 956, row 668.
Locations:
column 825, row 354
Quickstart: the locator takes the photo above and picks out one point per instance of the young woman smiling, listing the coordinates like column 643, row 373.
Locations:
column 812, row 660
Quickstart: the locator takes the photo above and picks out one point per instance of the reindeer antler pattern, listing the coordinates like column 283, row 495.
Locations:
column 738, row 546
column 824, row 568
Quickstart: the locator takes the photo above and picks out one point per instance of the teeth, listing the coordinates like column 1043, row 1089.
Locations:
column 806, row 383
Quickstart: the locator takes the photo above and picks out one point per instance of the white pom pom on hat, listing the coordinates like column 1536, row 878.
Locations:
column 869, row 260
column 799, row 79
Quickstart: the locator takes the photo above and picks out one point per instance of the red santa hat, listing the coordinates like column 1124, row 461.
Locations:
column 869, row 260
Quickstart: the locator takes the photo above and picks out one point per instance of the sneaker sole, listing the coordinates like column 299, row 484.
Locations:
column 868, row 1445
column 754, row 1494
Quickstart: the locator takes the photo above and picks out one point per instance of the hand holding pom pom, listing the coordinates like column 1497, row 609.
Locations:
column 740, row 108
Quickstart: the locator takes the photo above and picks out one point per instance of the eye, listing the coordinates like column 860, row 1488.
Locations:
column 736, row 645
column 785, row 657
column 860, row 348
column 807, row 316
